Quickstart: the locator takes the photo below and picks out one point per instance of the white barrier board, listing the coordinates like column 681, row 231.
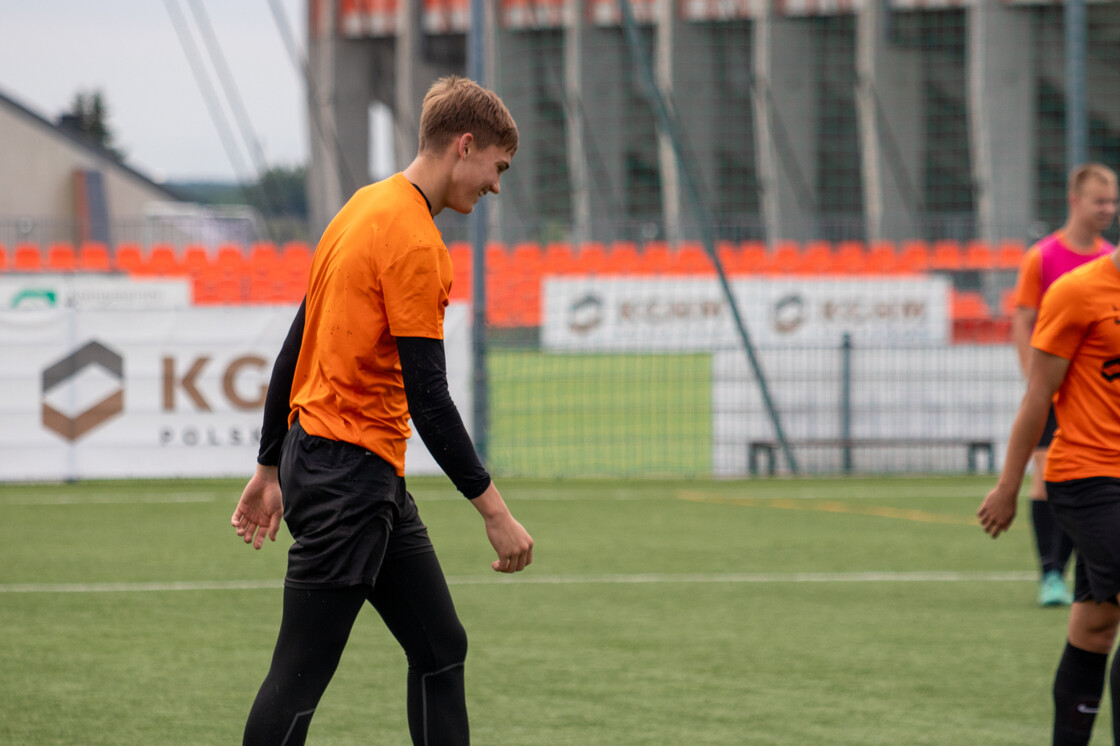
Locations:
column 656, row 314
column 38, row 292
column 166, row 393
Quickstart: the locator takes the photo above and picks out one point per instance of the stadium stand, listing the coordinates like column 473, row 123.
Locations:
column 265, row 273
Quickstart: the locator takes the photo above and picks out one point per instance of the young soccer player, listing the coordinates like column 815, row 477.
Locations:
column 364, row 355
column 1076, row 354
column 1092, row 198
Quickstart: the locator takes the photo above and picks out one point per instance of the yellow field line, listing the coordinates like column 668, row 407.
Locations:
column 831, row 506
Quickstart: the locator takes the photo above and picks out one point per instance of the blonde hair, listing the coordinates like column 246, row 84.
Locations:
column 455, row 105
column 1080, row 175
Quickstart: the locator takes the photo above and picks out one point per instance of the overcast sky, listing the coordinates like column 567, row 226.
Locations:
column 129, row 50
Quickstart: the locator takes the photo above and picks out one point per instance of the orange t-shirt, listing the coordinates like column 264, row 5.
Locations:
column 1080, row 321
column 380, row 271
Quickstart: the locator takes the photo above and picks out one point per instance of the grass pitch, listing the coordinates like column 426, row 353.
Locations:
column 656, row 612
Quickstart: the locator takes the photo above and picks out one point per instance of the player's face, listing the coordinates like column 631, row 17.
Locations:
column 1095, row 204
column 477, row 173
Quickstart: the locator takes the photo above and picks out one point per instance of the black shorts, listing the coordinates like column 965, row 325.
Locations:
column 1088, row 510
column 347, row 510
column 1048, row 432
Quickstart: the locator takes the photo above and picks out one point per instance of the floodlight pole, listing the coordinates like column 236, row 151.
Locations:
column 1077, row 130
column 476, row 62
column 670, row 127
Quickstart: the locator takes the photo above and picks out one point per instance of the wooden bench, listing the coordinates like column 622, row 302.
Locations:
column 757, row 448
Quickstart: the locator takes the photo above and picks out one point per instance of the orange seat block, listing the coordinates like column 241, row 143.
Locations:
column 914, row 257
column 61, row 257
column 816, row 259
column 882, row 259
column 946, row 257
column 128, row 258
column 93, row 256
column 787, row 257
column 195, row 259
column 969, row 304
column 656, row 258
column 850, row 258
column 755, row 259
column 1010, row 255
column 690, row 258
column 28, row 257
column 624, row 259
column 560, row 259
column 979, row 256
column 163, row 262
column 592, row 259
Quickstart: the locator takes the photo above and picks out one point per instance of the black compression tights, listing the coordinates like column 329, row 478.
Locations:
column 412, row 597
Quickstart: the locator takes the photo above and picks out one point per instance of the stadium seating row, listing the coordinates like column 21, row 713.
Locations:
column 621, row 257
column 266, row 273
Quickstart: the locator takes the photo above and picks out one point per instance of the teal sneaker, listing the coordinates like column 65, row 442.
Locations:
column 1052, row 590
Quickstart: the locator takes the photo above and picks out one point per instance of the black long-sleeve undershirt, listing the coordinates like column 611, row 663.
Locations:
column 424, row 369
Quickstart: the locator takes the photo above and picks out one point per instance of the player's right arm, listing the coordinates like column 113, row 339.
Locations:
column 1046, row 374
column 261, row 508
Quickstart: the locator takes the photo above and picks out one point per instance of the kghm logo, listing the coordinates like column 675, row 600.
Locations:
column 66, row 372
column 585, row 314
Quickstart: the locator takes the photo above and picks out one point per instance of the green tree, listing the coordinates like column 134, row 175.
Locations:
column 89, row 116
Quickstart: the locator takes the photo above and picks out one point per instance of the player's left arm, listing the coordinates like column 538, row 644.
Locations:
column 1047, row 372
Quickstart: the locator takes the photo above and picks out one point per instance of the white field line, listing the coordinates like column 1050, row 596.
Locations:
column 650, row 578
column 169, row 498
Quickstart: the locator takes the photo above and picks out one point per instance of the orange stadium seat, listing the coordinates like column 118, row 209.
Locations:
column 978, row 256
column 850, row 258
column 93, row 256
column 755, row 259
column 163, row 261
column 28, row 257
column 61, row 257
column 816, row 259
column 730, row 257
column 969, row 304
column 559, row 259
column 195, row 259
column 882, row 258
column 915, row 257
column 656, row 258
column 128, row 258
column 946, row 257
column 462, row 266
column 624, row 258
column 592, row 259
column 1010, row 255
column 787, row 257
column 3, row 258
column 690, row 258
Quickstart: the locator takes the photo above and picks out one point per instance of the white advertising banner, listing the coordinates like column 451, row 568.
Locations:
column 37, row 292
column 107, row 394
column 691, row 314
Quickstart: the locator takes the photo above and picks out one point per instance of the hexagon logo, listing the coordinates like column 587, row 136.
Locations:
column 94, row 357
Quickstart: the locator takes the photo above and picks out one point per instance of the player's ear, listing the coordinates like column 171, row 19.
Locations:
column 464, row 144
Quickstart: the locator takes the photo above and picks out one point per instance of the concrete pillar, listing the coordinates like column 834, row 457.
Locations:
column 579, row 166
column 597, row 61
column 683, row 69
column 890, row 107
column 785, row 105
column 1001, row 92
column 340, row 119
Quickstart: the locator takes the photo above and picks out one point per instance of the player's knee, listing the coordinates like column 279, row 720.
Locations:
column 441, row 649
